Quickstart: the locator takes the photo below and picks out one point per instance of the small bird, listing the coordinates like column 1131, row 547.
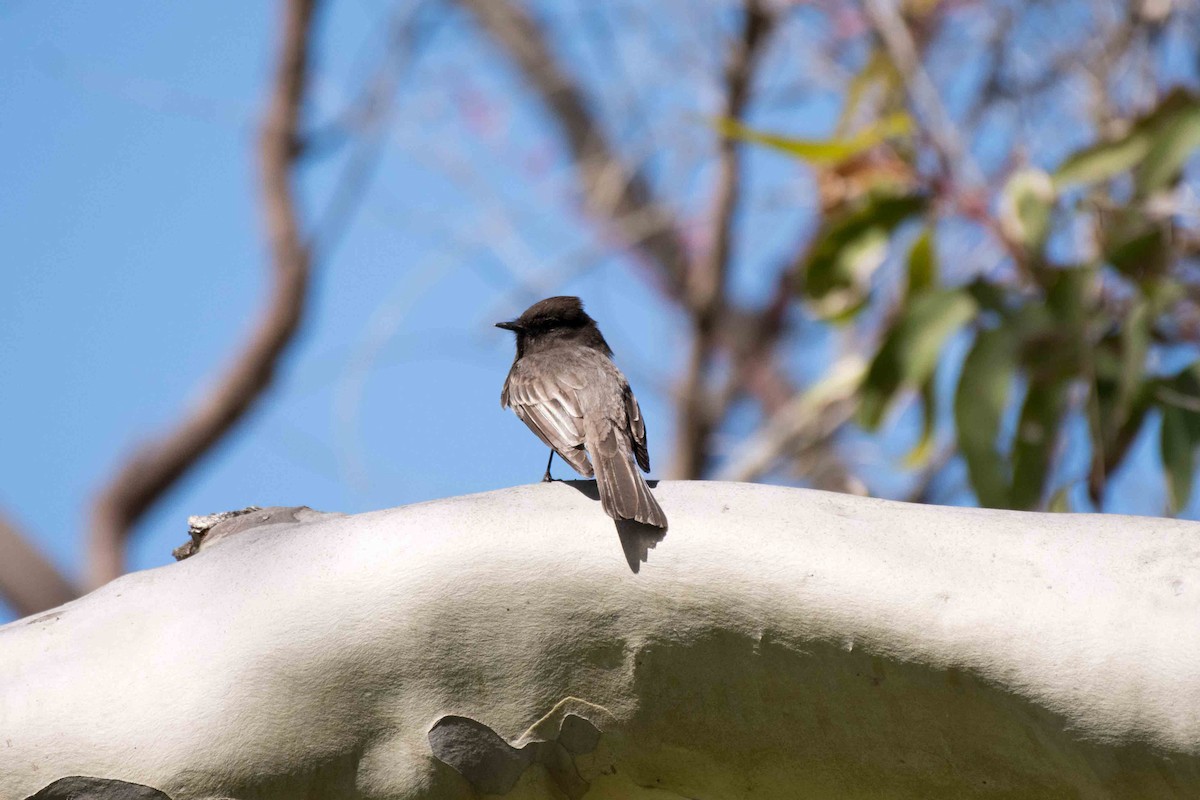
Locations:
column 564, row 385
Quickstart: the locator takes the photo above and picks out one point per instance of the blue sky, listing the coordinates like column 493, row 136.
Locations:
column 134, row 263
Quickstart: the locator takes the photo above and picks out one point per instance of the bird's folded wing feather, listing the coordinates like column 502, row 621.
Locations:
column 637, row 429
column 550, row 407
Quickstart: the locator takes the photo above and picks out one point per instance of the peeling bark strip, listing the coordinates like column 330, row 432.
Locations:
column 158, row 465
column 78, row 787
column 204, row 530
column 493, row 766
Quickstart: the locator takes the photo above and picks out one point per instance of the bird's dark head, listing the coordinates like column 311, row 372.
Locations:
column 554, row 321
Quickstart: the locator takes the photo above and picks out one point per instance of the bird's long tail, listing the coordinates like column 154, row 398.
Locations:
column 623, row 491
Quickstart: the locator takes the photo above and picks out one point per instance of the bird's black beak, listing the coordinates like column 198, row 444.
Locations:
column 509, row 326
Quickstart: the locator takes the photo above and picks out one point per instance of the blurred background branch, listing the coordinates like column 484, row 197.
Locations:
column 617, row 195
column 29, row 581
column 158, row 465
column 705, row 301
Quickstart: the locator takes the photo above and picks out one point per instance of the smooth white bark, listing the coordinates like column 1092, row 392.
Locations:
column 778, row 643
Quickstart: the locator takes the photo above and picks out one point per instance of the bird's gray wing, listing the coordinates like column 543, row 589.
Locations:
column 637, row 429
column 549, row 405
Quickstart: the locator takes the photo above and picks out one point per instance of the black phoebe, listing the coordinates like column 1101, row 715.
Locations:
column 564, row 385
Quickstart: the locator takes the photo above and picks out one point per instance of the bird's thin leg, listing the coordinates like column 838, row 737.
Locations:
column 546, row 478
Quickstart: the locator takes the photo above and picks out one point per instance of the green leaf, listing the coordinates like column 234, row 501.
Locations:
column 1118, row 430
column 1036, row 437
column 1142, row 254
column 922, row 278
column 824, row 152
column 1162, row 294
column 1060, row 501
column 1136, row 245
column 1120, row 394
column 1170, row 147
column 849, row 248
column 919, row 455
column 1179, row 399
column 979, row 403
column 1025, row 206
column 1068, row 293
column 1135, row 345
column 1053, row 342
column 922, row 265
column 911, row 348
column 988, row 295
column 1104, row 160
column 1178, row 455
column 1156, row 147
column 1140, row 405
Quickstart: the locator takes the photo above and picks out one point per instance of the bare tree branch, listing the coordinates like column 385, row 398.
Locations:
column 28, row 580
column 707, row 284
column 158, row 465
column 618, row 195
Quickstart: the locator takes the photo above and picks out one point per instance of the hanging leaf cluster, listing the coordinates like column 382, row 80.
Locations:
column 1109, row 339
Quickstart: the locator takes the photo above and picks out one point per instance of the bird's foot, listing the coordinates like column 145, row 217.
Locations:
column 549, row 463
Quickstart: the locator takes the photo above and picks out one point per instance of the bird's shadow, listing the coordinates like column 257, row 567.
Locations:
column 637, row 538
